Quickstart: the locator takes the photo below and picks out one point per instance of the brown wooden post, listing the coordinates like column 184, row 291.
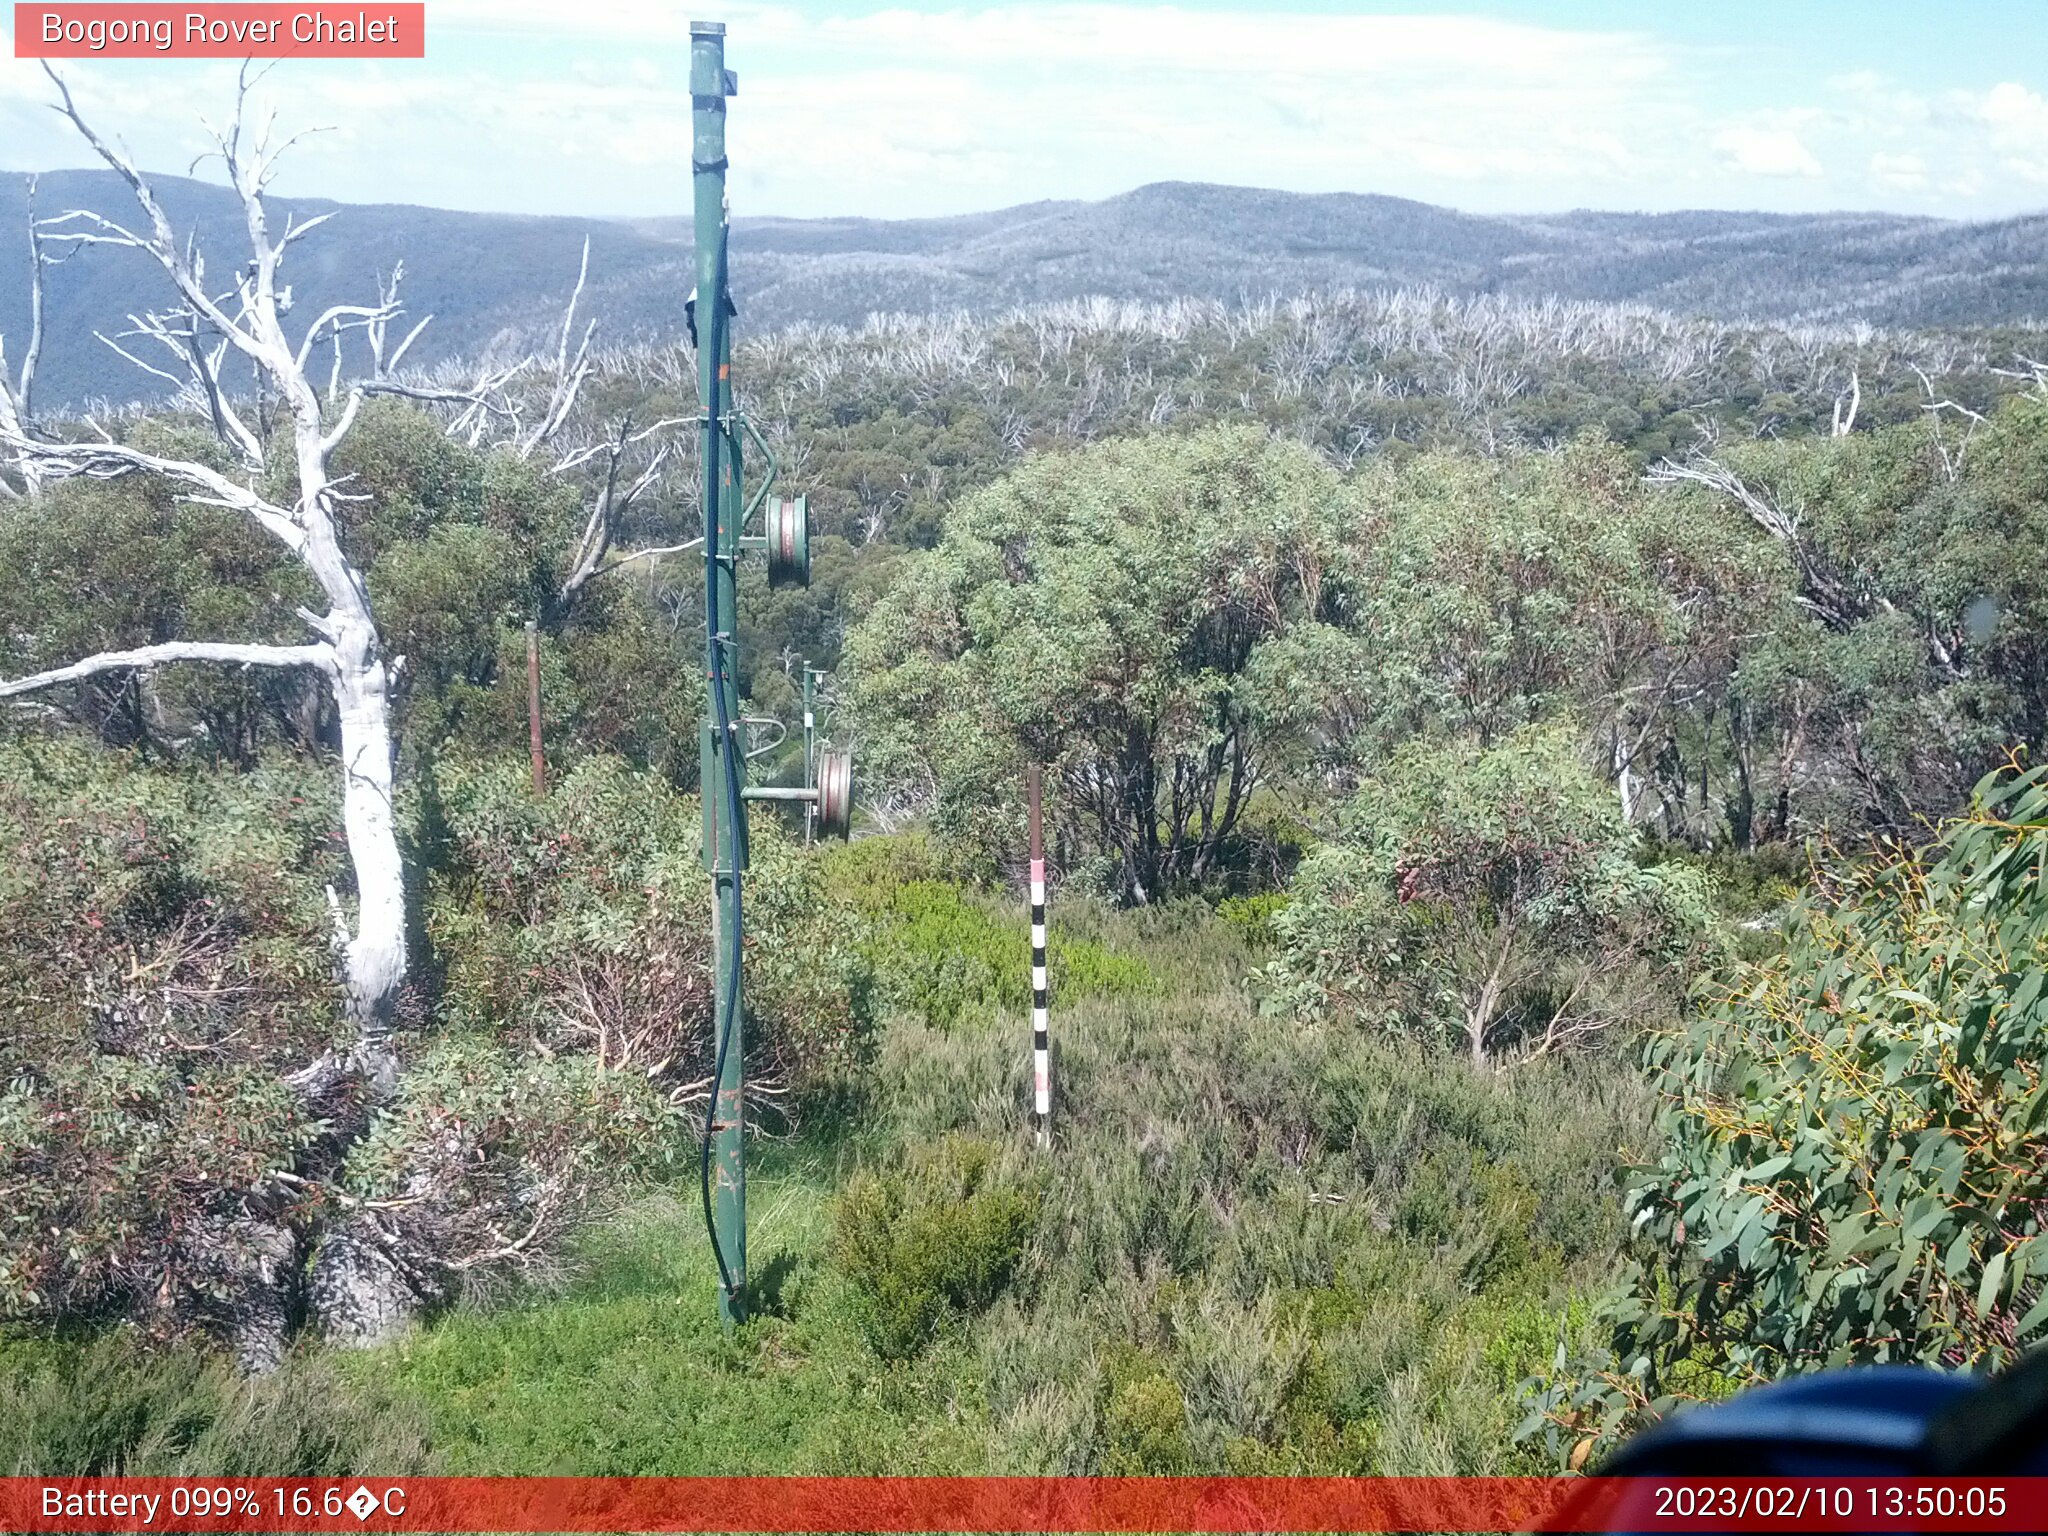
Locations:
column 540, row 759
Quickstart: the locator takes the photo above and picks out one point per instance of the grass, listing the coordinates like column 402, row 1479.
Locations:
column 1259, row 1247
column 105, row 1405
column 628, row 1373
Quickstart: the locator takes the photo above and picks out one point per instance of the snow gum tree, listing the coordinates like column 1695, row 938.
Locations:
column 1104, row 613
column 202, row 327
column 211, row 336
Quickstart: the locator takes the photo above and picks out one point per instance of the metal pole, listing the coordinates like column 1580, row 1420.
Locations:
column 722, row 761
column 533, row 740
column 810, row 751
column 1041, row 1041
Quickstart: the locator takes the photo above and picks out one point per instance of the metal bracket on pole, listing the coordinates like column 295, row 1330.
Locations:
column 810, row 749
column 757, row 748
column 772, row 467
column 829, row 800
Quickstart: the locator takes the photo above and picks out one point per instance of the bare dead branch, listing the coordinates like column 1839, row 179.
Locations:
column 1951, row 457
column 651, row 554
column 110, row 461
column 611, row 504
column 148, row 657
column 570, row 372
column 1839, row 599
column 149, row 368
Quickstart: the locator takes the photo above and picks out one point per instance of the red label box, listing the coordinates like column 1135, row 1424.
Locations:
column 1244, row 1505
column 103, row 30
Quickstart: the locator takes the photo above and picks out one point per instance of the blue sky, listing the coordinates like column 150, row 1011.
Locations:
column 911, row 109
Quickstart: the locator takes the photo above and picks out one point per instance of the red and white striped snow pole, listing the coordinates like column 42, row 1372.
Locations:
column 1041, row 1044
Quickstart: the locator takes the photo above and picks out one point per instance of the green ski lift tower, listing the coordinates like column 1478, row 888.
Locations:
column 827, row 791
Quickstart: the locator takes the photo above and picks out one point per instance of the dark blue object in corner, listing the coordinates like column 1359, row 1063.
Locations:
column 1869, row 1421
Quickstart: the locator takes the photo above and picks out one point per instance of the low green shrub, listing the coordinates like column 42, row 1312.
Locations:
column 1745, row 885
column 1342, row 1250
column 936, row 954
column 166, row 959
column 936, row 1237
column 937, row 950
column 1144, row 1416
column 110, row 1407
column 581, row 922
column 480, row 1143
column 1489, row 895
column 1252, row 917
column 856, row 872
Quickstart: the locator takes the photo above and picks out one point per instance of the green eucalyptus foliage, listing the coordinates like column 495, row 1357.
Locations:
column 1920, row 560
column 1854, row 1166
column 459, row 547
column 165, row 961
column 1102, row 613
column 1489, row 895
column 462, row 548
column 1493, row 593
column 114, row 565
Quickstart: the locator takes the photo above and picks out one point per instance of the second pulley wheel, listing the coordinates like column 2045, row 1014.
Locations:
column 835, row 794
column 789, row 542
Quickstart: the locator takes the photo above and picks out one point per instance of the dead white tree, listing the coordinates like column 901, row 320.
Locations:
column 1847, row 404
column 206, row 324
column 1841, row 599
column 618, row 491
column 1951, row 455
column 622, row 486
column 17, row 391
column 2030, row 371
column 528, row 406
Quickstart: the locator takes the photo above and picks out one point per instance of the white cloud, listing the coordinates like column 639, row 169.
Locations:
column 1088, row 100
column 1254, row 43
column 2016, row 113
column 535, row 106
column 896, row 112
column 1899, row 173
column 1758, row 150
column 1964, row 152
column 2016, row 121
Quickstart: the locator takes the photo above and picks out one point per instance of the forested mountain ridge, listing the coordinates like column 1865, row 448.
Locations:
column 479, row 276
column 489, row 278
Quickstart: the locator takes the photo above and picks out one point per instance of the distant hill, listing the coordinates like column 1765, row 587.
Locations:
column 499, row 279
column 484, row 277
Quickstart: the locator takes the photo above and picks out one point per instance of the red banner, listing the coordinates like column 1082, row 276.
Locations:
column 1120, row 1504
column 375, row 30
